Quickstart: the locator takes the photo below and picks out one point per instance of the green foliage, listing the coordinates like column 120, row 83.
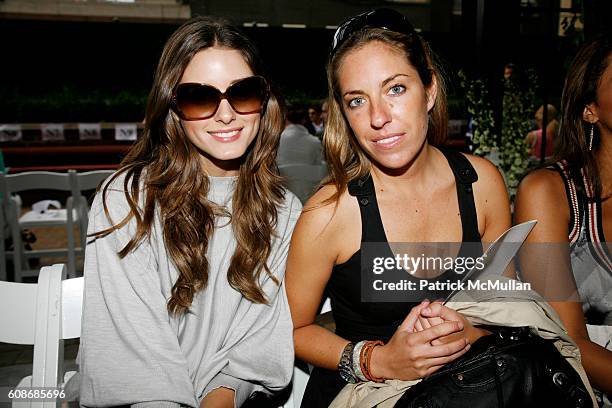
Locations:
column 517, row 112
column 479, row 107
column 70, row 104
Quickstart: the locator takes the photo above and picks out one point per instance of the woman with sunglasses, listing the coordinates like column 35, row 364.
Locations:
column 390, row 181
column 184, row 296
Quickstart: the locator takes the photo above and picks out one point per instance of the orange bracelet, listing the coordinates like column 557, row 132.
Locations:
column 366, row 368
column 369, row 348
column 363, row 359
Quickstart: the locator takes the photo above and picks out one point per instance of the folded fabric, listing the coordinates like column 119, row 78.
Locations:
column 480, row 307
column 41, row 207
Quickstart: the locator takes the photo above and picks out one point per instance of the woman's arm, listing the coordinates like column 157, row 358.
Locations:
column 317, row 241
column 546, row 264
column 219, row 398
column 312, row 255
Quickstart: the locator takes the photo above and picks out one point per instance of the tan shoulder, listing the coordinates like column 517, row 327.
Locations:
column 324, row 211
column 484, row 168
column 490, row 179
column 542, row 184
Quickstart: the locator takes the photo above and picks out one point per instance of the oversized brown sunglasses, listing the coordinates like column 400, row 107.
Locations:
column 193, row 101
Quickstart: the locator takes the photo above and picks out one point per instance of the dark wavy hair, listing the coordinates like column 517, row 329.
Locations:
column 163, row 165
column 580, row 90
column 347, row 160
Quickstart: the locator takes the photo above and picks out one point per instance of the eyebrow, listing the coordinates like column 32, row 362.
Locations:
column 391, row 78
column 383, row 83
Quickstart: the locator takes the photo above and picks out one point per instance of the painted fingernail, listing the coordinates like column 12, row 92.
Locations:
column 460, row 324
column 467, row 347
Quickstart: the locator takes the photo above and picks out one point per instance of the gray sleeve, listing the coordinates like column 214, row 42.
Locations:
column 261, row 355
column 129, row 353
column 318, row 157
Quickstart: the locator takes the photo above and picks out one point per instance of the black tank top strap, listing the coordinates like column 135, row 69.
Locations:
column 371, row 223
column 465, row 175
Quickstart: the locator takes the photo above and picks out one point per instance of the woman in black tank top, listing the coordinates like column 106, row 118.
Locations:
column 390, row 181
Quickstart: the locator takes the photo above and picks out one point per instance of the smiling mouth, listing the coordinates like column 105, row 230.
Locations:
column 388, row 140
column 225, row 135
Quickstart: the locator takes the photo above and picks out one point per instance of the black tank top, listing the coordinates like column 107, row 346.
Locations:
column 356, row 320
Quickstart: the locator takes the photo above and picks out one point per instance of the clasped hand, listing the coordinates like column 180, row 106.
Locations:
column 431, row 336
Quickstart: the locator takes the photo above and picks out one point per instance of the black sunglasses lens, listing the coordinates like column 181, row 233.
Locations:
column 247, row 95
column 196, row 101
column 380, row 18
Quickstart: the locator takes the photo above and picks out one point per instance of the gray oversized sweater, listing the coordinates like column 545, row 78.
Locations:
column 133, row 351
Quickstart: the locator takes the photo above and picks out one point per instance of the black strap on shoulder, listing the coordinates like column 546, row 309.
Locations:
column 465, row 175
column 461, row 166
column 361, row 187
column 372, row 229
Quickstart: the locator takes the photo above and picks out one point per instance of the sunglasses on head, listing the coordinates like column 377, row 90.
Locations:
column 193, row 101
column 385, row 18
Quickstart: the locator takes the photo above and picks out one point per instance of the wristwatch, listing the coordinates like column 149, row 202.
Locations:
column 345, row 366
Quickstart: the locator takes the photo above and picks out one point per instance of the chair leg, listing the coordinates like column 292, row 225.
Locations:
column 18, row 258
column 12, row 215
column 3, row 276
column 71, row 251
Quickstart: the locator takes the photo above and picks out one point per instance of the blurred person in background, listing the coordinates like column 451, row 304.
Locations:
column 297, row 145
column 315, row 122
column 534, row 138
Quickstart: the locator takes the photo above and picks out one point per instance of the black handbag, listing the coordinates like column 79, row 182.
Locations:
column 512, row 367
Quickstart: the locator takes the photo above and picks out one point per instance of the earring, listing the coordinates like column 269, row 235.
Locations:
column 591, row 137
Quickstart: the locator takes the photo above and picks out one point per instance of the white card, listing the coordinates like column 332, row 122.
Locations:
column 52, row 131
column 90, row 131
column 10, row 133
column 125, row 131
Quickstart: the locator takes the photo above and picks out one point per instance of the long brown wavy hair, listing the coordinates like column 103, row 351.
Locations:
column 580, row 90
column 163, row 165
column 346, row 159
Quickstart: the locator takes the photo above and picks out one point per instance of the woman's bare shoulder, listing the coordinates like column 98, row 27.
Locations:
column 543, row 180
column 542, row 187
column 326, row 210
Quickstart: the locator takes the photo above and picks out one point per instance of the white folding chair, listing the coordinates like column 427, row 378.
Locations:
column 85, row 181
column 302, row 179
column 298, row 386
column 65, row 217
column 42, row 314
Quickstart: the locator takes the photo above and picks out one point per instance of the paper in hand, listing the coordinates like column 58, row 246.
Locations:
column 499, row 254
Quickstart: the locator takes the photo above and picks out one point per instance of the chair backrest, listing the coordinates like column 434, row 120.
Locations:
column 42, row 314
column 35, row 180
column 90, row 180
column 17, row 312
column 72, row 307
column 303, row 178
